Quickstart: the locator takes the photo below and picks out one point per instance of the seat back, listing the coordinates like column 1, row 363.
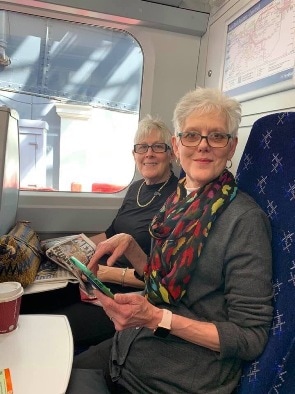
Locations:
column 9, row 168
column 267, row 173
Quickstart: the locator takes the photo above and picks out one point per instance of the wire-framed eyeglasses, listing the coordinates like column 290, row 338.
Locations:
column 215, row 140
column 159, row 147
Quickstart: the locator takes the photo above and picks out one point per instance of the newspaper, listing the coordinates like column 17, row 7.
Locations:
column 79, row 246
column 50, row 271
column 57, row 270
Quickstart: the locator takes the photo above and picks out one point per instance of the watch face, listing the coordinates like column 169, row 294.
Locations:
column 161, row 332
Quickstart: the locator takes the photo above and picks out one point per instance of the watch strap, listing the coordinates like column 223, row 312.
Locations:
column 166, row 320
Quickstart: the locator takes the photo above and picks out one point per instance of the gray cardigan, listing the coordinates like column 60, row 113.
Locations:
column 231, row 287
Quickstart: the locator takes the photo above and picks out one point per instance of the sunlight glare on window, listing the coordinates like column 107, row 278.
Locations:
column 77, row 90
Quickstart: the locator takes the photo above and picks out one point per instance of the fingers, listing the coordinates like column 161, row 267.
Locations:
column 115, row 247
column 92, row 265
column 132, row 299
column 113, row 258
column 101, row 296
column 128, row 310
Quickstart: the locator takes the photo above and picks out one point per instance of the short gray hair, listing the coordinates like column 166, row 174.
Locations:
column 206, row 100
column 147, row 125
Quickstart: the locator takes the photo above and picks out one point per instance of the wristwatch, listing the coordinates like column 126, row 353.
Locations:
column 164, row 327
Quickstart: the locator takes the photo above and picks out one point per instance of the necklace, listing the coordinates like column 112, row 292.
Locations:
column 157, row 193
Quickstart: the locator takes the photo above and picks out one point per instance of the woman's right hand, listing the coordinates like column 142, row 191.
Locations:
column 115, row 246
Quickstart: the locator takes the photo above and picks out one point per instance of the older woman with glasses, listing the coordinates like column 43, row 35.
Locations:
column 153, row 157
column 207, row 302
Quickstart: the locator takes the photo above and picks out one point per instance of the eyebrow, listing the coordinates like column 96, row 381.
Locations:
column 153, row 143
column 213, row 130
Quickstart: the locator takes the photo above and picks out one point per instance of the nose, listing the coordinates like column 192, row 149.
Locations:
column 203, row 143
column 149, row 150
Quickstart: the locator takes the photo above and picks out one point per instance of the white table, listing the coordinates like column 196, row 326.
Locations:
column 39, row 354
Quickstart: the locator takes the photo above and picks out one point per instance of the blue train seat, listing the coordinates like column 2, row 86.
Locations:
column 267, row 173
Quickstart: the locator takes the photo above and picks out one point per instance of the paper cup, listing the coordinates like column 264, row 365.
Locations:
column 10, row 299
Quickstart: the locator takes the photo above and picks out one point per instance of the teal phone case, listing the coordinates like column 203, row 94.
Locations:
column 92, row 278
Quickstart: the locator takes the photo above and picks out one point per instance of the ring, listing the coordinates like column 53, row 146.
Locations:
column 111, row 319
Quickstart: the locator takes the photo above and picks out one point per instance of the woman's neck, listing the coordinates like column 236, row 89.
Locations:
column 153, row 181
column 192, row 189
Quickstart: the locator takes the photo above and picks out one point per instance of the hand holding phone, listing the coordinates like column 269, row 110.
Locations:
column 92, row 278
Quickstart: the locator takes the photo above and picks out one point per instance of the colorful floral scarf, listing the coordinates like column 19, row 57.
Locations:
column 179, row 232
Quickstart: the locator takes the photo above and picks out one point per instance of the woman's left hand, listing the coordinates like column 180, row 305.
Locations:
column 133, row 310
column 130, row 310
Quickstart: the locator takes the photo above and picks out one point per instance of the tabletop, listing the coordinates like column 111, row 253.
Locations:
column 39, row 354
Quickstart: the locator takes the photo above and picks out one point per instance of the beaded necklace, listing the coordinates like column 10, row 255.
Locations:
column 157, row 193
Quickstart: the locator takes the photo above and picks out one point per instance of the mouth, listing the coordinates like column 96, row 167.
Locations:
column 203, row 161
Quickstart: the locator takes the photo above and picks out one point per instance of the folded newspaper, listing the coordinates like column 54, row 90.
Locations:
column 60, row 250
column 57, row 269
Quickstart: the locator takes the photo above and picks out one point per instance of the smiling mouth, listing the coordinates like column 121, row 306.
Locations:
column 203, row 160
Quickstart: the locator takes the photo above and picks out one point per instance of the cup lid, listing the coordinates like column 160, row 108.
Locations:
column 9, row 290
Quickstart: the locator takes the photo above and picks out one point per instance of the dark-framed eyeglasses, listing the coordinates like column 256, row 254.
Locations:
column 159, row 147
column 193, row 139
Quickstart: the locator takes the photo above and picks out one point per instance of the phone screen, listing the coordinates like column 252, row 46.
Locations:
column 92, row 278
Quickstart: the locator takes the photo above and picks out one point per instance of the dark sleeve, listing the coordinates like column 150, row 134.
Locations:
column 248, row 288
column 111, row 230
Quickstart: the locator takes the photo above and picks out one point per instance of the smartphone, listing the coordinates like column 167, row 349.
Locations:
column 92, row 278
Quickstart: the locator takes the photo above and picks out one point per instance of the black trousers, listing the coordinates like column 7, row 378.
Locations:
column 89, row 323
column 90, row 372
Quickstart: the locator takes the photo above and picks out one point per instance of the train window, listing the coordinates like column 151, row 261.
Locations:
column 77, row 91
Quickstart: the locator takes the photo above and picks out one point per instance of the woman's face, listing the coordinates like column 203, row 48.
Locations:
column 154, row 167
column 203, row 163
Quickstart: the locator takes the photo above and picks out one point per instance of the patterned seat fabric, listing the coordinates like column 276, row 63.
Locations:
column 267, row 173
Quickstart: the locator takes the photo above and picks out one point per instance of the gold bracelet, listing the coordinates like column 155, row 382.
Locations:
column 123, row 276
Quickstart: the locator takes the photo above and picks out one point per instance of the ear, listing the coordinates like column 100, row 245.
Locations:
column 172, row 155
column 233, row 146
column 175, row 147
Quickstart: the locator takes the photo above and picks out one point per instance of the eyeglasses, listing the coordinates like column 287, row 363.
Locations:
column 193, row 138
column 159, row 147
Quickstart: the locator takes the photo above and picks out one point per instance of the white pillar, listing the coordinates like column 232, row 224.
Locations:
column 74, row 138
